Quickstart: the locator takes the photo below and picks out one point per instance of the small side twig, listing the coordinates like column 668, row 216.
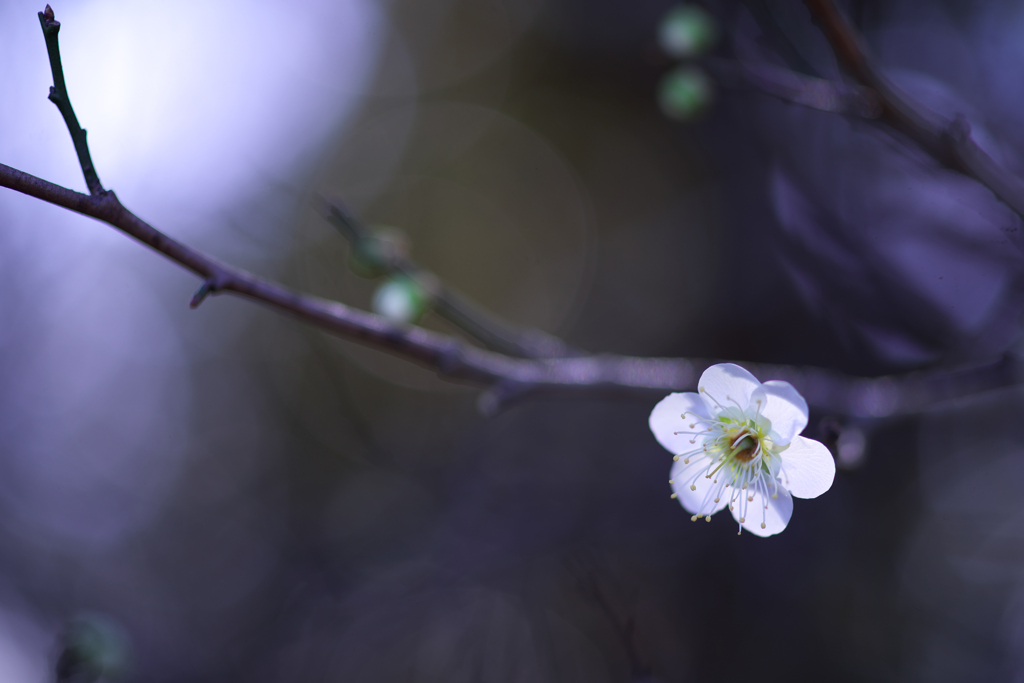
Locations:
column 948, row 142
column 480, row 324
column 59, row 96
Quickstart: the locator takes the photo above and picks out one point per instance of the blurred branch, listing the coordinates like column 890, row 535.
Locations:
column 480, row 324
column 949, row 142
column 59, row 96
column 508, row 378
column 817, row 93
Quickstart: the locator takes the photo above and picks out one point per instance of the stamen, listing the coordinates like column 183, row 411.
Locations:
column 705, row 391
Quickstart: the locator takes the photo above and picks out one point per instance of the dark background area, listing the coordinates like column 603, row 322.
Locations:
column 294, row 507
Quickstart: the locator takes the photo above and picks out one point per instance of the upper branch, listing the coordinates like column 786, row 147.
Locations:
column 818, row 93
column 59, row 96
column 949, row 142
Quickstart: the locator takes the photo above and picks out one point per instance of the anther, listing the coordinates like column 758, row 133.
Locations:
column 671, row 481
column 708, row 518
column 750, row 498
column 718, row 500
column 693, row 487
column 675, row 458
column 686, row 462
column 694, row 518
column 762, row 523
column 742, row 519
column 672, row 496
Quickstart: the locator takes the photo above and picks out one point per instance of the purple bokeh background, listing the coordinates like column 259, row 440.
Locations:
column 250, row 498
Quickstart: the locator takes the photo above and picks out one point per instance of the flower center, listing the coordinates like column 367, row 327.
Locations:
column 737, row 455
column 747, row 448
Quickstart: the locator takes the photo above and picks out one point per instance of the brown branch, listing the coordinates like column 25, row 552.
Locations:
column 510, row 378
column 949, row 142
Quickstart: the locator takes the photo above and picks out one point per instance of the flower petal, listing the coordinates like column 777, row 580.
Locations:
column 725, row 385
column 701, row 500
column 667, row 419
column 807, row 468
column 784, row 406
column 775, row 517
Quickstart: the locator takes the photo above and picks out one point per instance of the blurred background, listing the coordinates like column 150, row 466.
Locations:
column 226, row 494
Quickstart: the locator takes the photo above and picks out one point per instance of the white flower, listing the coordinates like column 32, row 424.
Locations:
column 736, row 444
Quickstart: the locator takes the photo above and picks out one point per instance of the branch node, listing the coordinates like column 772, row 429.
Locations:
column 499, row 396
column 208, row 287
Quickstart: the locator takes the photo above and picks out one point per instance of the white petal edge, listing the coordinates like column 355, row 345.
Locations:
column 784, row 406
column 808, row 469
column 775, row 518
column 667, row 419
column 681, row 475
column 725, row 385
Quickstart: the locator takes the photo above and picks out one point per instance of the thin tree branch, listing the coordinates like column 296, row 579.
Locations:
column 599, row 375
column 949, row 142
column 59, row 96
column 480, row 324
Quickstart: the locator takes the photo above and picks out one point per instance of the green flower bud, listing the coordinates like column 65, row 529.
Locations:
column 687, row 31
column 401, row 299
column 686, row 93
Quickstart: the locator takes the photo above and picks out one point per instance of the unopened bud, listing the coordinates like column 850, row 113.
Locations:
column 686, row 93
column 687, row 31
column 400, row 299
